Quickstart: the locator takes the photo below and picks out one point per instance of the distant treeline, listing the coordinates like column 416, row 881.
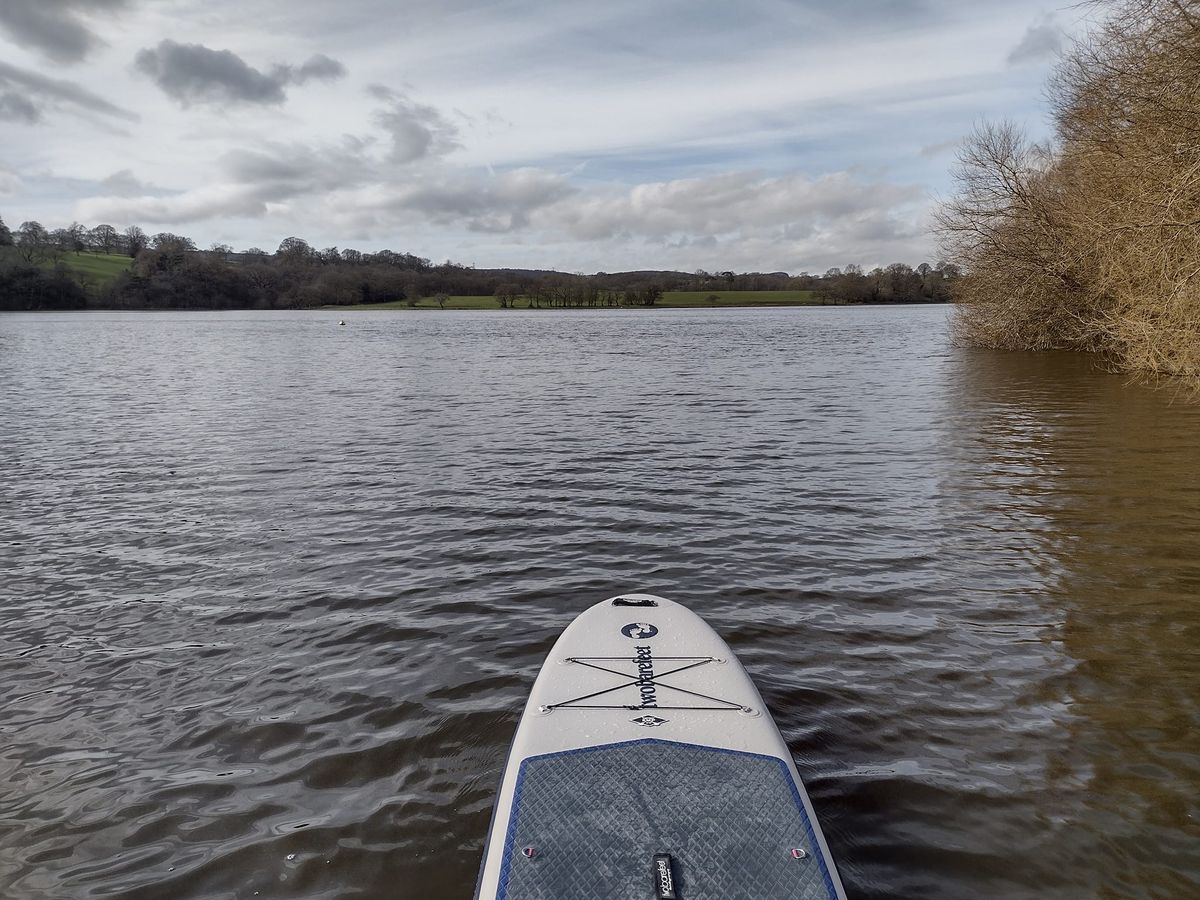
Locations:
column 169, row 272
column 31, row 287
column 1093, row 242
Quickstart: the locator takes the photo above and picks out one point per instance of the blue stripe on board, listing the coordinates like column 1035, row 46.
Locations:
column 487, row 835
column 511, row 832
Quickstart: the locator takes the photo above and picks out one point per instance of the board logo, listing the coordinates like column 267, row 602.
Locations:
column 639, row 631
column 664, row 878
column 645, row 680
column 649, row 721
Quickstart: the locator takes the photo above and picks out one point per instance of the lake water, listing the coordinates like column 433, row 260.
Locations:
column 274, row 591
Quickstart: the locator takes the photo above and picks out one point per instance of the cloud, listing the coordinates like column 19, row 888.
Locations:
column 16, row 108
column 373, row 197
column 482, row 202
column 279, row 171
column 193, row 73
column 54, row 26
column 1041, row 42
column 736, row 219
column 207, row 202
column 10, row 181
column 742, row 220
column 125, row 184
column 320, row 67
column 416, row 130
column 24, row 90
column 736, row 202
column 249, row 180
column 929, row 151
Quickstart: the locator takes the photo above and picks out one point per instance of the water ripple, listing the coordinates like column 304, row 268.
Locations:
column 276, row 590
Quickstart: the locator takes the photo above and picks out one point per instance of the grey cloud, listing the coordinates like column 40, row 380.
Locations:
column 26, row 89
column 416, row 130
column 55, row 26
column 251, row 179
column 277, row 172
column 15, row 108
column 125, row 184
column 929, row 151
column 209, row 202
column 281, row 171
column 493, row 203
column 193, row 73
column 319, row 67
column 1041, row 42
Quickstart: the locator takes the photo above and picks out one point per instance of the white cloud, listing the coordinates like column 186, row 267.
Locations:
column 735, row 202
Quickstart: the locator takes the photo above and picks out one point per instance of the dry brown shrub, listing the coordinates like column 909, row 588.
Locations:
column 1094, row 245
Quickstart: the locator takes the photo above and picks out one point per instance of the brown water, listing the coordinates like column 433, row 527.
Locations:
column 274, row 590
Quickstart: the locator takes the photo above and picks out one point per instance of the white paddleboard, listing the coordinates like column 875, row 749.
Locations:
column 646, row 767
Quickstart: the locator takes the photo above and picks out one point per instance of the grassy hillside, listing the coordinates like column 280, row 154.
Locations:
column 102, row 268
column 674, row 299
column 96, row 269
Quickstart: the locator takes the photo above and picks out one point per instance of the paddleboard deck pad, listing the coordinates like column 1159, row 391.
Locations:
column 646, row 767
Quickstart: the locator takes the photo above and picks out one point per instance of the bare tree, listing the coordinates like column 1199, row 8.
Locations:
column 33, row 241
column 104, row 238
column 1093, row 244
column 77, row 238
column 135, row 241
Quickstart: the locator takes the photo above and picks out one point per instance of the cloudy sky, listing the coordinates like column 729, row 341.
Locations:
column 752, row 135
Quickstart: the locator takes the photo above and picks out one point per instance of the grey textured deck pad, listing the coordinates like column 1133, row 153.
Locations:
column 595, row 818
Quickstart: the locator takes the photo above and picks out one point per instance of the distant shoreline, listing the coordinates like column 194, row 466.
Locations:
column 433, row 309
column 669, row 300
column 174, row 275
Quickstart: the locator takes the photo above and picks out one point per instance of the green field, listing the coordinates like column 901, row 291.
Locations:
column 101, row 268
column 96, row 269
column 671, row 299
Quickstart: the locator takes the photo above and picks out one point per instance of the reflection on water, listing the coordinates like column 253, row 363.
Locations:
column 1107, row 478
column 275, row 590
